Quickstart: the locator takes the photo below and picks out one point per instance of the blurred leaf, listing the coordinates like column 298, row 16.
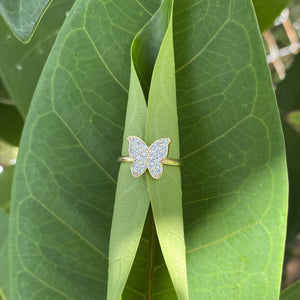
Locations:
column 21, row 65
column 233, row 173
column 293, row 119
column 11, row 124
column 5, row 187
column 3, row 94
column 288, row 91
column 23, row 16
column 8, row 153
column 4, row 262
column 292, row 292
column 288, row 97
column 268, row 10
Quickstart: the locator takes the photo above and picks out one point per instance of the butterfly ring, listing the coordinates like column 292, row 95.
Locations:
column 151, row 158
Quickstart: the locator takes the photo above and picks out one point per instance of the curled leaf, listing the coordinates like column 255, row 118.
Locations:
column 151, row 115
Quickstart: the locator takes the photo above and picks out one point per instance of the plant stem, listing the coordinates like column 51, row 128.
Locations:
column 150, row 260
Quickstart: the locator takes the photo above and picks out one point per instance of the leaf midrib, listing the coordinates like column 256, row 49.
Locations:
column 151, row 255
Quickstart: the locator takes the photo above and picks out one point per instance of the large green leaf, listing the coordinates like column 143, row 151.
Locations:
column 268, row 10
column 76, row 119
column 23, row 16
column 4, row 262
column 21, row 65
column 292, row 292
column 233, row 173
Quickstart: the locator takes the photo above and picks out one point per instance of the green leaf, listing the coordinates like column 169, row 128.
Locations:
column 293, row 119
column 234, row 170
column 149, row 274
column 132, row 200
column 165, row 193
column 5, row 187
column 23, row 16
column 233, row 174
column 292, row 292
column 4, row 98
column 135, row 193
column 21, row 65
column 11, row 124
column 65, row 181
column 268, row 10
column 4, row 263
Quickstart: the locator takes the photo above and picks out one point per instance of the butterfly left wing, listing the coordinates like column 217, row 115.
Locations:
column 137, row 150
column 158, row 151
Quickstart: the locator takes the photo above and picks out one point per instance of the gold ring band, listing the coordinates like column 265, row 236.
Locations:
column 166, row 161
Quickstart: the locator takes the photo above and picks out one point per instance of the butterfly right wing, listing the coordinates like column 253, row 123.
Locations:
column 137, row 150
column 158, row 151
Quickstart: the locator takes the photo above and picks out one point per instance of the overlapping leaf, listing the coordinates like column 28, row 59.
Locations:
column 156, row 120
column 292, row 292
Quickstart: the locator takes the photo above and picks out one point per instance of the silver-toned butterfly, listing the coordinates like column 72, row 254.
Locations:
column 147, row 157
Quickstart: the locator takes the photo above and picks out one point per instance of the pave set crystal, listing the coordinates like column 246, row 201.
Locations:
column 147, row 157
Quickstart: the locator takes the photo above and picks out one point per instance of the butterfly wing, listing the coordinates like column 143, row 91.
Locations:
column 158, row 151
column 137, row 150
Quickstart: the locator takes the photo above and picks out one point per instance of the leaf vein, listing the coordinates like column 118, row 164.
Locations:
column 84, row 148
column 216, row 138
column 135, row 291
column 104, row 63
column 143, row 7
column 224, row 238
column 205, row 46
column 69, row 227
column 47, row 284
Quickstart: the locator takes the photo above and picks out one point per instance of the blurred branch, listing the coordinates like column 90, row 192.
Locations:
column 6, row 101
column 274, row 56
column 290, row 31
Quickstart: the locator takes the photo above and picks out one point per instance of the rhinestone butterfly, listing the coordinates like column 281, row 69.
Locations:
column 147, row 157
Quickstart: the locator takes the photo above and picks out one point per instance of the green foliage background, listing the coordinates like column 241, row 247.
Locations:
column 234, row 183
